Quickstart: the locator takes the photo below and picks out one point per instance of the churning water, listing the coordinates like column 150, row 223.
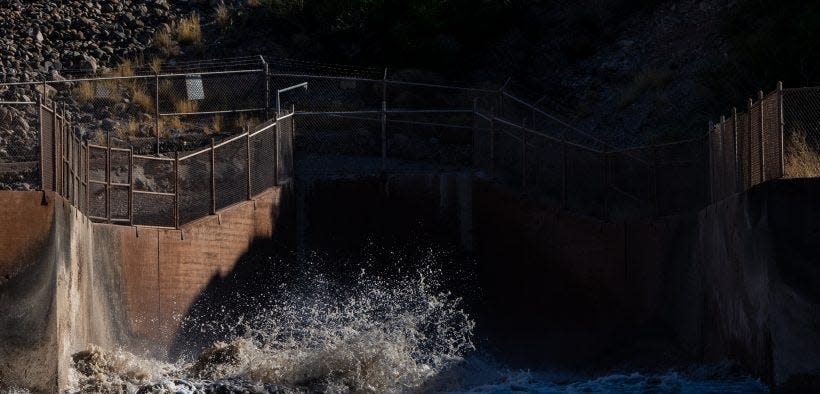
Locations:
column 374, row 336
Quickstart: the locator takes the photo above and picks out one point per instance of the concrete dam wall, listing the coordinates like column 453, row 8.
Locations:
column 736, row 281
column 67, row 283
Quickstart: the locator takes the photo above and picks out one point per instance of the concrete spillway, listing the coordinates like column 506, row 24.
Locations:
column 737, row 280
column 66, row 283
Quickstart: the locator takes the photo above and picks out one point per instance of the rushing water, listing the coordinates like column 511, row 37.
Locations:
column 374, row 336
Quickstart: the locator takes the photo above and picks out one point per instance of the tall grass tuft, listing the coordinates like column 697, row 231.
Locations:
column 802, row 160
column 189, row 31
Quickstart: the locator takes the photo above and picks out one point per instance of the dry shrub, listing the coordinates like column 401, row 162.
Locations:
column 85, row 92
column 125, row 69
column 217, row 123
column 143, row 99
column 802, row 160
column 244, row 120
column 189, row 31
column 164, row 42
column 133, row 127
column 155, row 65
column 254, row 3
column 185, row 106
column 169, row 123
column 223, row 16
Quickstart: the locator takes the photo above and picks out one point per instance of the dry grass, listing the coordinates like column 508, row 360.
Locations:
column 217, row 123
column 189, row 31
column 156, row 65
column 133, row 127
column 85, row 92
column 185, row 106
column 169, row 123
column 245, row 120
column 223, row 16
column 802, row 160
column 254, row 3
column 164, row 42
column 143, row 99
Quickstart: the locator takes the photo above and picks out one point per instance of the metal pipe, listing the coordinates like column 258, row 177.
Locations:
column 287, row 89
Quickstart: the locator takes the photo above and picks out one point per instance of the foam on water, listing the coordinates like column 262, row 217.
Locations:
column 375, row 336
column 380, row 338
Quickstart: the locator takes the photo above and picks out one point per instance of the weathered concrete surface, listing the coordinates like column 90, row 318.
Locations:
column 66, row 283
column 740, row 280
column 759, row 254
column 164, row 271
column 49, row 304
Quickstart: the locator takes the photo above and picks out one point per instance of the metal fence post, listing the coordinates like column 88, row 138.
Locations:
column 564, row 169
column 55, row 148
column 176, row 189
column 476, row 162
column 724, row 171
column 524, row 156
column 606, row 181
column 738, row 169
column 762, row 140
column 276, row 152
column 749, row 145
column 267, row 86
column 248, row 158
column 131, row 185
column 492, row 144
column 384, row 121
column 656, row 176
column 42, row 144
column 213, row 177
column 780, row 99
column 108, row 176
column 156, row 109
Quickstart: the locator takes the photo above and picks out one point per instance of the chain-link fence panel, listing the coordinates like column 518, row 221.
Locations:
column 772, row 136
column 681, row 176
column 326, row 94
column 586, row 181
column 729, row 154
column 544, row 168
column 153, row 193
column 631, row 181
column 756, row 146
column 801, row 116
column 509, row 154
column 19, row 138
column 285, row 131
column 743, row 150
column 195, row 198
column 405, row 95
column 231, row 172
column 263, row 165
column 212, row 92
column 430, row 139
column 97, row 190
column 482, row 142
column 48, row 149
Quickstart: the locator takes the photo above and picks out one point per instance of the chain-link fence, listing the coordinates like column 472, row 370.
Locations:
column 117, row 185
column 134, row 123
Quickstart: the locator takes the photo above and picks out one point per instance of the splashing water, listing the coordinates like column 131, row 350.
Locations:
column 380, row 338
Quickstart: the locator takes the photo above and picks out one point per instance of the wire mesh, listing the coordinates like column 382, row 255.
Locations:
column 508, row 154
column 771, row 128
column 482, row 142
column 544, row 168
column 586, row 182
column 195, row 187
column 326, row 94
column 263, row 145
column 437, row 140
column 757, row 152
column 231, row 172
column 681, row 178
column 154, row 185
column 285, row 129
column 631, row 179
column 801, row 117
column 743, row 149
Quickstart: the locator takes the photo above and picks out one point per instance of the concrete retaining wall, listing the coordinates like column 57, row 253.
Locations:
column 66, row 283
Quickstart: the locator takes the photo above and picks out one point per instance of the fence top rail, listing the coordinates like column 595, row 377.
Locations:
column 387, row 81
column 199, row 152
column 144, row 76
column 144, row 157
column 540, row 134
column 264, row 128
column 552, row 117
column 232, row 139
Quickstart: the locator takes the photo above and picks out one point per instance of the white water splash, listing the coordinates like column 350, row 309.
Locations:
column 380, row 339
